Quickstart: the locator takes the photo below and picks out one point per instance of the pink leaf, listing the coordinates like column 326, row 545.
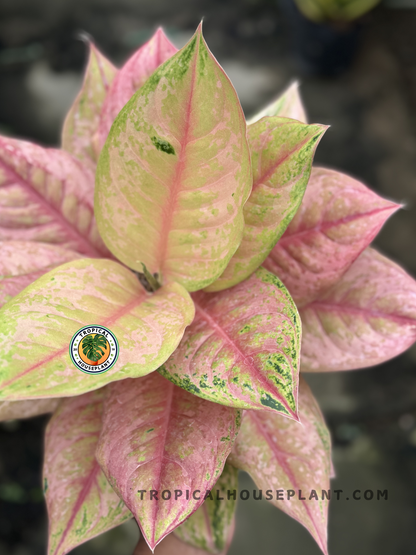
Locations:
column 337, row 219
column 174, row 173
column 22, row 262
column 171, row 545
column 287, row 105
column 131, row 77
column 36, row 328
column 159, row 437
column 280, row 454
column 12, row 410
column 211, row 527
column 46, row 195
column 81, row 503
column 81, row 123
column 242, row 348
column 368, row 317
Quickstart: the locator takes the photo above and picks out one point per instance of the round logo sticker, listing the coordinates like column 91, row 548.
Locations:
column 94, row 349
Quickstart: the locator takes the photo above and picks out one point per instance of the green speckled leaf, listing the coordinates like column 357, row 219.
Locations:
column 209, row 527
column 37, row 325
column 280, row 454
column 159, row 437
column 242, row 348
column 287, row 105
column 282, row 152
column 175, row 172
column 83, row 118
column 81, row 503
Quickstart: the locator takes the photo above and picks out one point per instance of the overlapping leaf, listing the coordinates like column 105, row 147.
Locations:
column 11, row 410
column 210, row 527
column 171, row 545
column 171, row 441
column 280, row 454
column 22, row 262
column 368, row 317
column 81, row 123
column 37, row 325
column 337, row 219
column 174, row 173
column 81, row 503
column 46, row 195
column 242, row 348
column 282, row 152
column 287, row 105
column 131, row 77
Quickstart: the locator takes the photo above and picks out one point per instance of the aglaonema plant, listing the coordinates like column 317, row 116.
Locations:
column 204, row 244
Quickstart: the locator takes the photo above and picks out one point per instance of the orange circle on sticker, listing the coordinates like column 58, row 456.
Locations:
column 83, row 350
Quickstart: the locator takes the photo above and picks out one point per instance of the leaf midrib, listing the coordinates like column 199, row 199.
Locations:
column 40, row 200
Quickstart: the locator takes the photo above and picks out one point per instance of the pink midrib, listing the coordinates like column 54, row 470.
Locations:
column 169, row 402
column 263, row 178
column 322, row 227
column 115, row 316
column 80, row 500
column 287, row 470
column 261, row 378
column 57, row 216
column 172, row 199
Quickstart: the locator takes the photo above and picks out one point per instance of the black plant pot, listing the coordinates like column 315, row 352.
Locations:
column 321, row 49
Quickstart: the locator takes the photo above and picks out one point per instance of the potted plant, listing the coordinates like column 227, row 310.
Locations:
column 208, row 263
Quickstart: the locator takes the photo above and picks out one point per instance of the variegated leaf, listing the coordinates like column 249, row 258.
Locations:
column 280, row 454
column 210, row 526
column 337, row 219
column 171, row 441
column 282, row 152
column 368, row 317
column 37, row 325
column 13, row 410
column 81, row 503
column 174, row 173
column 131, row 77
column 287, row 105
column 171, row 545
column 46, row 195
column 242, row 348
column 81, row 123
column 22, row 262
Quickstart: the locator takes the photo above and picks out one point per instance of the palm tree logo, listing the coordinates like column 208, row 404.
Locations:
column 94, row 347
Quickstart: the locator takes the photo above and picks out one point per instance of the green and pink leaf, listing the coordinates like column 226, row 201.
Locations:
column 46, row 195
column 282, row 152
column 37, row 325
column 337, row 220
column 82, row 121
column 131, row 77
column 280, row 454
column 287, row 105
column 170, row 440
column 174, row 173
column 81, row 503
column 367, row 317
column 13, row 410
column 211, row 527
column 23, row 262
column 242, row 349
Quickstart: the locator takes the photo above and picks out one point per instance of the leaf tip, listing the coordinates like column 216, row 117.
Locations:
column 85, row 37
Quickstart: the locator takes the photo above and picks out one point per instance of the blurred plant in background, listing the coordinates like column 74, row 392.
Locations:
column 335, row 10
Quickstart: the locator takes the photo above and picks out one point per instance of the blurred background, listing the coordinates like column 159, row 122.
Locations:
column 358, row 74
